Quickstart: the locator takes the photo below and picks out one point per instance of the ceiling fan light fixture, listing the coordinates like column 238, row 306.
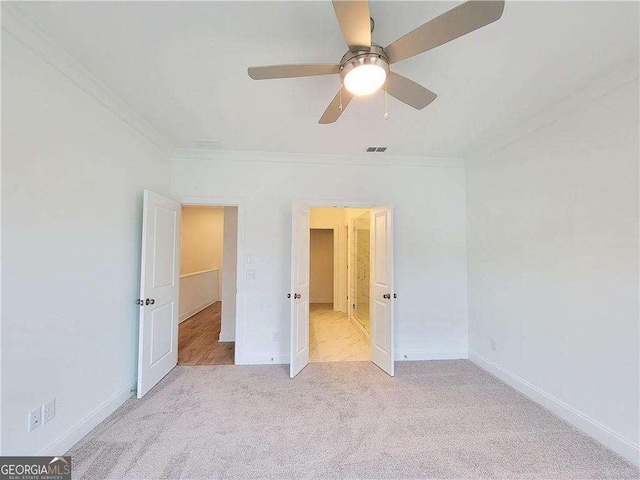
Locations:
column 364, row 69
column 365, row 79
column 364, row 74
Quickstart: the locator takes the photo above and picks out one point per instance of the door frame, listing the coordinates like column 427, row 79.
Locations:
column 238, row 202
column 369, row 204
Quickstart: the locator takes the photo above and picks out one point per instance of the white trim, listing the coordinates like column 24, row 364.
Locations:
column 263, row 359
column 198, row 309
column 27, row 33
column 230, row 202
column 332, row 159
column 336, row 304
column 226, row 337
column 199, row 273
column 576, row 418
column 91, row 421
column 626, row 73
column 360, row 328
column 414, row 355
column 340, row 203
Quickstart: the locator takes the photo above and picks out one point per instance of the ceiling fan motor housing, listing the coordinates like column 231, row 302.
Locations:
column 353, row 59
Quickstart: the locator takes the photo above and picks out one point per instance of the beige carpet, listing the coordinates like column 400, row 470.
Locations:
column 441, row 419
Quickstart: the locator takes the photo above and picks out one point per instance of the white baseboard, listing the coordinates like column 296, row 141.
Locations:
column 195, row 310
column 227, row 337
column 359, row 326
column 589, row 426
column 69, row 439
column 270, row 359
column 409, row 355
column 263, row 359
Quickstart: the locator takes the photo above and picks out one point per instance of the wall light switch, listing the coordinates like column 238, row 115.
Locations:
column 49, row 411
column 252, row 274
column 35, row 419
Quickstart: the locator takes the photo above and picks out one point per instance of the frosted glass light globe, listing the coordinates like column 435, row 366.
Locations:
column 365, row 79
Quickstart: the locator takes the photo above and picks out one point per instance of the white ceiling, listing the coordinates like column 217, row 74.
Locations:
column 182, row 66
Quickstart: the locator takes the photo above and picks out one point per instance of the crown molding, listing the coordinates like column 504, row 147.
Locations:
column 372, row 159
column 626, row 73
column 27, row 33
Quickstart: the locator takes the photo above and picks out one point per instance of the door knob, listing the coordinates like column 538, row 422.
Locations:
column 386, row 295
column 288, row 295
column 297, row 295
column 153, row 300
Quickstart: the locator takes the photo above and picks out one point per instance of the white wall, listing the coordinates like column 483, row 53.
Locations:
column 72, row 179
column 201, row 250
column 229, row 273
column 326, row 217
column 202, row 231
column 430, row 240
column 197, row 291
column 553, row 265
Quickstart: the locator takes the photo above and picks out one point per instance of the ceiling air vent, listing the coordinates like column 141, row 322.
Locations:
column 376, row 149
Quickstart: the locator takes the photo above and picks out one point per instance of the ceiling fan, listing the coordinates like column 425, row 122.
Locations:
column 364, row 69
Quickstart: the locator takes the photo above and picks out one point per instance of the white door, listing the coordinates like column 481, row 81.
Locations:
column 382, row 288
column 300, row 248
column 158, row 350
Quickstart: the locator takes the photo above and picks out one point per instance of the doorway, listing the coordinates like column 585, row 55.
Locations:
column 381, row 296
column 207, row 272
column 159, row 298
column 335, row 328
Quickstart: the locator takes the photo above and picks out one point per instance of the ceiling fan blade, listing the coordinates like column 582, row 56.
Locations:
column 355, row 22
column 408, row 91
column 291, row 71
column 458, row 21
column 333, row 111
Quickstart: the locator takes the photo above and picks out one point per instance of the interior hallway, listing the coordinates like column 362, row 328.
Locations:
column 333, row 338
column 198, row 340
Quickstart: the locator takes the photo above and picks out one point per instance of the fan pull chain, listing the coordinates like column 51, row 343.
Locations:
column 340, row 106
column 386, row 104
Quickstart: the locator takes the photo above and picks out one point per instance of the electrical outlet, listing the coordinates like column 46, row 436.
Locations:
column 35, row 419
column 494, row 345
column 252, row 274
column 275, row 335
column 49, row 411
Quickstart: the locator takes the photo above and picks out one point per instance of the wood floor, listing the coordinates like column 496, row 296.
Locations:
column 198, row 340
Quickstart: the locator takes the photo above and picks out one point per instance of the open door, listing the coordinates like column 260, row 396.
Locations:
column 158, row 349
column 299, row 295
column 382, row 352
